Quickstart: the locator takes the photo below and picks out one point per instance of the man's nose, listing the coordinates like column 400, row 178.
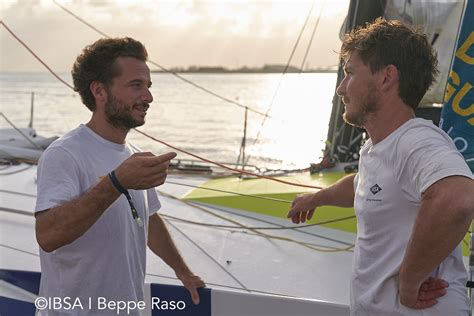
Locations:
column 148, row 97
column 341, row 89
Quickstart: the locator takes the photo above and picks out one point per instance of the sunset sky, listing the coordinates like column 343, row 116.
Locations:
column 177, row 33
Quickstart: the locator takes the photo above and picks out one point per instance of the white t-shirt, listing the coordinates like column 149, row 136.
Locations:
column 109, row 259
column 392, row 176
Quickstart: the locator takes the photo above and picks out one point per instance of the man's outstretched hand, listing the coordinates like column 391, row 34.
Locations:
column 302, row 208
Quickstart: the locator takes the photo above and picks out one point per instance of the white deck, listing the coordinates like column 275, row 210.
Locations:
column 226, row 258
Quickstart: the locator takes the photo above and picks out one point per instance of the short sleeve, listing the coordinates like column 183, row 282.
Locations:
column 430, row 157
column 58, row 179
column 356, row 182
column 153, row 201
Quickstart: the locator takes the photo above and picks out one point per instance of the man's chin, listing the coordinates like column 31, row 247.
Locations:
column 137, row 124
column 352, row 120
column 128, row 125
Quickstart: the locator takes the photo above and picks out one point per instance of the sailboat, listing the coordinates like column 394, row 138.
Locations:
column 253, row 260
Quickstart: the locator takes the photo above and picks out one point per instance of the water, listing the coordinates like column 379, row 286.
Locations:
column 194, row 120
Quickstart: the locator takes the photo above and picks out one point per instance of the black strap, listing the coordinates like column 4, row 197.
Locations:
column 470, row 284
column 117, row 184
column 125, row 192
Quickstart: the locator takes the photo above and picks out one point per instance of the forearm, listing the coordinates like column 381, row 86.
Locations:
column 441, row 224
column 161, row 243
column 431, row 242
column 339, row 194
column 62, row 225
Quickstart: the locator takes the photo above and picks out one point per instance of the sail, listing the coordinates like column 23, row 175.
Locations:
column 439, row 20
column 457, row 116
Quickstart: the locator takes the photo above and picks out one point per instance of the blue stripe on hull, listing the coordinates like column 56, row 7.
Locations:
column 169, row 300
column 27, row 280
column 9, row 306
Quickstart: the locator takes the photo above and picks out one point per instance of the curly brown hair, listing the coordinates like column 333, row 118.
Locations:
column 383, row 43
column 97, row 63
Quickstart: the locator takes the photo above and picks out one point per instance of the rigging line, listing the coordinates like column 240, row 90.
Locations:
column 18, row 193
column 209, row 91
column 281, row 77
column 169, row 182
column 218, row 164
column 230, row 192
column 309, row 246
column 208, row 255
column 14, row 172
column 81, row 20
column 211, row 213
column 21, row 133
column 38, row 93
column 210, row 226
column 264, row 235
column 296, row 228
column 239, row 225
column 165, row 69
column 166, row 144
column 312, row 36
column 36, row 56
column 226, row 167
column 269, row 222
column 221, row 285
column 208, row 212
column 258, row 227
column 19, row 250
column 15, row 92
column 18, row 212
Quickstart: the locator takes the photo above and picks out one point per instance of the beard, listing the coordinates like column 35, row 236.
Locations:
column 120, row 115
column 367, row 107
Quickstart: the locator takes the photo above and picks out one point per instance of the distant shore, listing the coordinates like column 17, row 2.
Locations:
column 264, row 69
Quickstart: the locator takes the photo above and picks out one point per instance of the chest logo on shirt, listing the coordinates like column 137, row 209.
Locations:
column 375, row 189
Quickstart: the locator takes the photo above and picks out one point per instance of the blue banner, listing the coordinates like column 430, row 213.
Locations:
column 457, row 116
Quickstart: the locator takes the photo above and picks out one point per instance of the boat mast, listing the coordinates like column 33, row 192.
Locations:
column 30, row 125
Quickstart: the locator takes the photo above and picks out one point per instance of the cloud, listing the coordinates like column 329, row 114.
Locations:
column 176, row 33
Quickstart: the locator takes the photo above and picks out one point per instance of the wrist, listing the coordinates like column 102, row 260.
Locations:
column 116, row 183
column 107, row 185
column 316, row 200
column 406, row 282
column 182, row 272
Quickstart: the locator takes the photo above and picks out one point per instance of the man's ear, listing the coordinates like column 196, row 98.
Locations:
column 390, row 77
column 99, row 91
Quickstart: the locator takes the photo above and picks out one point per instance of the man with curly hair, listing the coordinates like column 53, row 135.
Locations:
column 96, row 206
column 413, row 194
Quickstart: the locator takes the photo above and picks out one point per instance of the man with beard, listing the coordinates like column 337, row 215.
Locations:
column 96, row 206
column 413, row 194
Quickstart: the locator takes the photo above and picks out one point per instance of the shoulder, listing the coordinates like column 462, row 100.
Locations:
column 65, row 139
column 65, row 148
column 420, row 134
column 427, row 154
